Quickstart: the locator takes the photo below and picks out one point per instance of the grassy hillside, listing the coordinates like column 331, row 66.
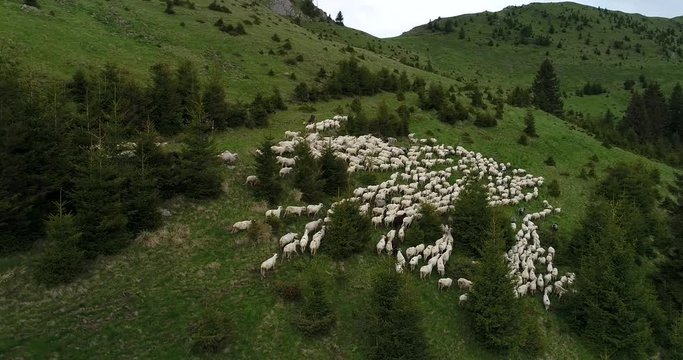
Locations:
column 142, row 303
column 64, row 36
column 600, row 46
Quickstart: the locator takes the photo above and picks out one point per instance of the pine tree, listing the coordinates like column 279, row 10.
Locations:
column 676, row 110
column 333, row 172
column 187, row 87
column 657, row 112
column 339, row 19
column 268, row 187
column 100, row 210
column 546, row 90
column 348, row 232
column 164, row 102
column 141, row 196
column 393, row 329
column 198, row 169
column 217, row 109
column 425, row 229
column 61, row 260
column 316, row 317
column 306, row 174
column 614, row 304
column 492, row 304
column 636, row 118
column 472, row 218
column 530, row 124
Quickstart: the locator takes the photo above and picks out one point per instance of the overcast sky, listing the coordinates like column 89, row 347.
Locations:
column 388, row 18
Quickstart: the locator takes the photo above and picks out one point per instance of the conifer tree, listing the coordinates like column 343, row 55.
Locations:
column 61, row 260
column 142, row 196
column 100, row 210
column 217, row 110
column 676, row 110
column 348, row 232
column 492, row 304
column 316, row 317
column 546, row 90
column 198, row 169
column 187, row 87
column 268, row 187
column 164, row 102
column 394, row 323
column 530, row 124
column 614, row 305
column 333, row 172
column 306, row 174
column 339, row 19
column 472, row 218
column 425, row 229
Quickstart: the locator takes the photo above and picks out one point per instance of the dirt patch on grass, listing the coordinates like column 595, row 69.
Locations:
column 173, row 234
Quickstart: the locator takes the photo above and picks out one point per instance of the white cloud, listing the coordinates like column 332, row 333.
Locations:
column 387, row 18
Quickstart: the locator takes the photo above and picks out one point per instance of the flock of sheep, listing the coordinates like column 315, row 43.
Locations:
column 414, row 181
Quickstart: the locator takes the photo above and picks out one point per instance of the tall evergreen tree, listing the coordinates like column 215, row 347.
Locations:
column 100, row 210
column 530, row 124
column 268, row 187
column 636, row 118
column 188, row 88
column 425, row 229
column 307, row 174
column 217, row 109
column 472, row 218
column 492, row 304
column 339, row 19
column 316, row 317
column 164, row 102
column 333, row 172
column 61, row 260
column 614, row 305
column 348, row 232
column 676, row 110
column 394, row 322
column 546, row 90
column 198, row 169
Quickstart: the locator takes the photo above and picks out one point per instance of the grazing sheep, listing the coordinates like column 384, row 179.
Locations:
column 400, row 258
column 294, row 210
column 381, row 244
column 389, row 247
column 399, row 268
column 275, row 213
column 445, row 283
column 285, row 171
column 268, row 264
column 313, row 209
column 522, row 290
column 414, row 261
column 314, row 245
column 425, row 271
column 241, row 225
column 289, row 249
column 313, row 225
column 462, row 299
column 440, row 267
column 251, row 180
column 228, row 157
column 287, row 238
column 546, row 301
column 464, row 284
column 304, row 241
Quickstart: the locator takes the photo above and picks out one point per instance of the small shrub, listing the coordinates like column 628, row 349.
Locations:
column 554, row 188
column 211, row 333
column 485, row 119
column 275, row 38
column 62, row 260
column 169, row 8
column 271, row 72
column 288, row 290
column 549, row 161
column 316, row 317
column 260, row 231
column 299, row 58
column 287, row 45
column 523, row 140
column 217, row 7
column 33, row 3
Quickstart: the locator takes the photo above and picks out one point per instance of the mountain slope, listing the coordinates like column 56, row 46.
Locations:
column 505, row 49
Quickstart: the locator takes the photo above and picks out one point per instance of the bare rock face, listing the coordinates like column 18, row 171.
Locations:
column 283, row 7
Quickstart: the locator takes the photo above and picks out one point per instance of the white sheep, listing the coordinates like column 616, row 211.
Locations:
column 400, row 258
column 251, row 180
column 241, row 225
column 425, row 271
column 399, row 268
column 285, row 171
column 546, row 301
column 287, row 238
column 445, row 283
column 414, row 261
column 313, row 225
column 313, row 209
column 289, row 249
column 464, row 284
column 274, row 212
column 462, row 299
column 381, row 244
column 304, row 241
column 268, row 264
